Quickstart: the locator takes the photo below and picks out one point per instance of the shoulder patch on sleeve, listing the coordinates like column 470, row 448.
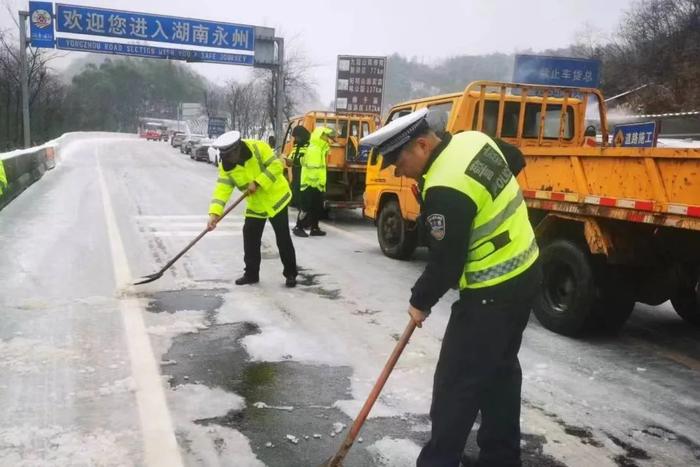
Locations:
column 490, row 169
column 437, row 226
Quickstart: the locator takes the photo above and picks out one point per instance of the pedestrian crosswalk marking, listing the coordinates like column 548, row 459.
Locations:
column 188, row 233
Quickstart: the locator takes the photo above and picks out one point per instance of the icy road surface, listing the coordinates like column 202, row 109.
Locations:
column 192, row 370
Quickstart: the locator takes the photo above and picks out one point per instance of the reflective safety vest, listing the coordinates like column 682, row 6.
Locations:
column 501, row 242
column 3, row 179
column 265, row 169
column 313, row 164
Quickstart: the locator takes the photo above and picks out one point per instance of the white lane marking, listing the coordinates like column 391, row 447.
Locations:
column 185, row 233
column 159, row 441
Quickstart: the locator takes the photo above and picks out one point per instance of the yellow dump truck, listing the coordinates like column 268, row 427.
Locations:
column 347, row 161
column 615, row 225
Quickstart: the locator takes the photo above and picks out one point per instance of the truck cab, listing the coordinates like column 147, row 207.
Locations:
column 347, row 160
column 389, row 200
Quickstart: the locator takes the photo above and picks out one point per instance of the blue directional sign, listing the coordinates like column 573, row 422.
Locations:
column 147, row 27
column 149, row 51
column 557, row 71
column 635, row 135
column 41, row 24
column 216, row 126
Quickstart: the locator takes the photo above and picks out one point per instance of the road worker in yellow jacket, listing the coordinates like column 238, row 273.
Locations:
column 252, row 165
column 313, row 181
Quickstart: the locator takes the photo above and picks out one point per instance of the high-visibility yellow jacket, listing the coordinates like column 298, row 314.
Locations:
column 263, row 168
column 501, row 242
column 3, row 179
column 313, row 164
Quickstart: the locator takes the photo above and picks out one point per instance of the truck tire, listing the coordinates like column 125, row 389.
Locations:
column 565, row 300
column 686, row 302
column 395, row 238
column 614, row 302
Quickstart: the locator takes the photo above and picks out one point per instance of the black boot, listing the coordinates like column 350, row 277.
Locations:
column 245, row 279
column 316, row 232
column 299, row 232
column 291, row 282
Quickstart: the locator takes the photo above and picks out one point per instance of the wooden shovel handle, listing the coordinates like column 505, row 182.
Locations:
column 373, row 395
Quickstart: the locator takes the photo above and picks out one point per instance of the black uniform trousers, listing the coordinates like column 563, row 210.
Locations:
column 296, row 182
column 478, row 371
column 252, row 237
column 311, row 208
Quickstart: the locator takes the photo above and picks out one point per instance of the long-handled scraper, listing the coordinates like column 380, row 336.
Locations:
column 157, row 275
column 337, row 459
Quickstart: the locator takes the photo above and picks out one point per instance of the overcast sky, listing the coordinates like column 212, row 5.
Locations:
column 427, row 29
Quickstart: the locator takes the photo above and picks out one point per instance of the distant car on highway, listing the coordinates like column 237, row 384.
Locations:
column 189, row 141
column 177, row 138
column 153, row 131
column 199, row 150
column 213, row 155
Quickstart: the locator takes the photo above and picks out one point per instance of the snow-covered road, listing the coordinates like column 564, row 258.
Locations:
column 192, row 370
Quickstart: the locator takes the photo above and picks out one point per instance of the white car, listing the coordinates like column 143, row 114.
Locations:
column 213, row 155
column 199, row 149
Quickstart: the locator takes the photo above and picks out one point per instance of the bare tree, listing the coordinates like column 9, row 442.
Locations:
column 299, row 86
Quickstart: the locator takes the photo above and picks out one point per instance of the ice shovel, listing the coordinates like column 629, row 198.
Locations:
column 157, row 275
column 337, row 460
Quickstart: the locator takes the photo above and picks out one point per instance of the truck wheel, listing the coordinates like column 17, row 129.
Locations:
column 686, row 302
column 395, row 239
column 564, row 302
column 615, row 300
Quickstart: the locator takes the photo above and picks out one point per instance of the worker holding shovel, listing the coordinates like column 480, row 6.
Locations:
column 481, row 239
column 252, row 166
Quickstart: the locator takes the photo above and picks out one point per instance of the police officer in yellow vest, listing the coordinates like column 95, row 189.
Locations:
column 313, row 181
column 481, row 239
column 251, row 165
column 301, row 143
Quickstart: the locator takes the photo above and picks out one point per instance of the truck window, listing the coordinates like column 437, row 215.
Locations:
column 438, row 115
column 397, row 113
column 365, row 129
column 328, row 123
column 355, row 129
column 288, row 135
column 511, row 114
column 342, row 128
column 551, row 121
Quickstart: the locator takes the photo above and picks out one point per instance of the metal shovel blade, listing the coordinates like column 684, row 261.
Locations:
column 151, row 278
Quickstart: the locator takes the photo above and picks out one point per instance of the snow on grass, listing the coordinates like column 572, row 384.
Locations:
column 394, row 452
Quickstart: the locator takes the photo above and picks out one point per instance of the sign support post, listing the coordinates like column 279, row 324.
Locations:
column 279, row 98
column 24, row 76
